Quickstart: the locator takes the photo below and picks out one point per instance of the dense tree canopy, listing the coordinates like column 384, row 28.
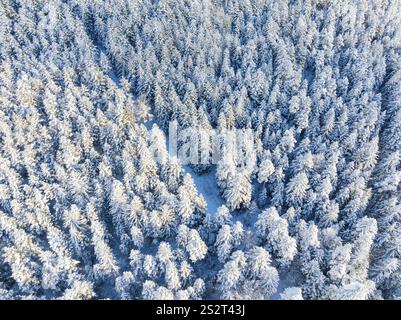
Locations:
column 93, row 206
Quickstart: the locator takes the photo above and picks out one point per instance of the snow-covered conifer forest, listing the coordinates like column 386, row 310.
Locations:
column 88, row 90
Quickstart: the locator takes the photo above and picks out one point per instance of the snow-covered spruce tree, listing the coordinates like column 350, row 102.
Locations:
column 273, row 231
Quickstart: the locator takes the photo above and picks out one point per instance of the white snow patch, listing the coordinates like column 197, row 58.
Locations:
column 207, row 186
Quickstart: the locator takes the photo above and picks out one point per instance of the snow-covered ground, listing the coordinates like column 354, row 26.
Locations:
column 207, row 187
column 205, row 183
